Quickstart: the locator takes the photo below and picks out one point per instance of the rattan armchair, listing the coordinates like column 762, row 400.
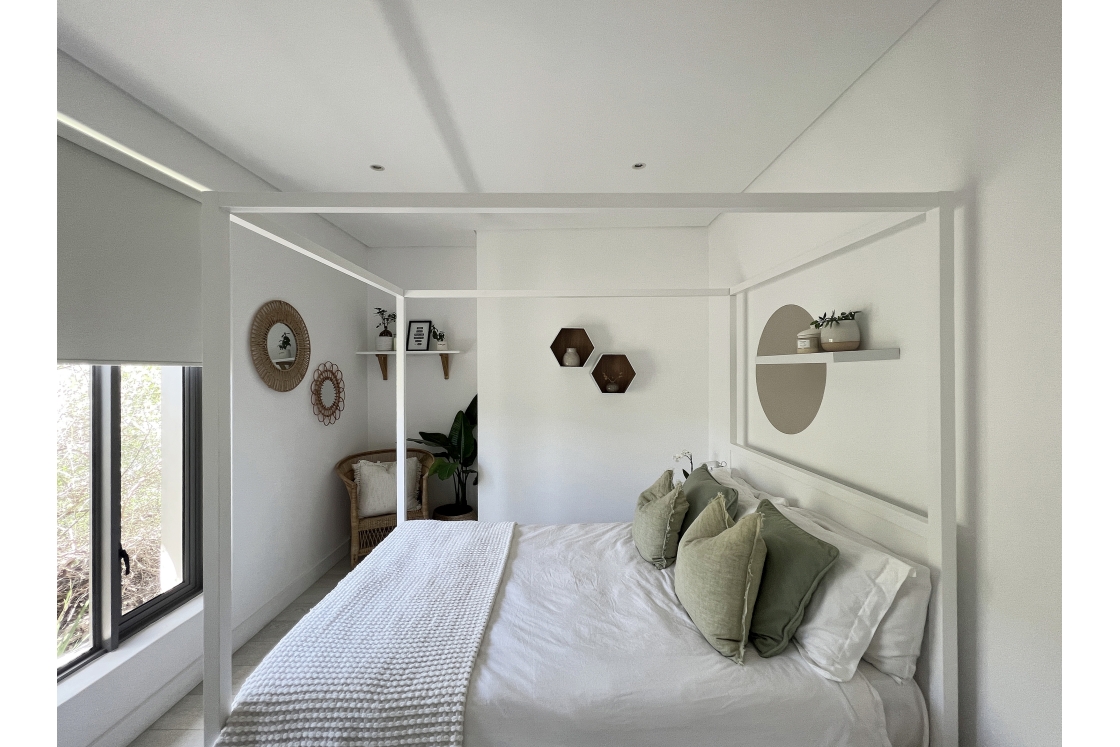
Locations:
column 367, row 531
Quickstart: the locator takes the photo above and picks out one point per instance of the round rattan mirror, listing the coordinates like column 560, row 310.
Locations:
column 280, row 346
column 328, row 393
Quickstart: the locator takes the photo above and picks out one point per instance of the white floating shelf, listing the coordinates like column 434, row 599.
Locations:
column 384, row 356
column 847, row 356
column 409, row 352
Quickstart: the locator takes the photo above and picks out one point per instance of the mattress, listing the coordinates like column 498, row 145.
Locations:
column 588, row 645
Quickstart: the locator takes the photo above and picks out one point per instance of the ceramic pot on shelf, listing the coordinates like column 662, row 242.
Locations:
column 840, row 336
column 385, row 340
column 571, row 358
column 809, row 341
column 441, row 344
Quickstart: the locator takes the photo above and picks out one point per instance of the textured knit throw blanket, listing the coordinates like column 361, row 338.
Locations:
column 386, row 657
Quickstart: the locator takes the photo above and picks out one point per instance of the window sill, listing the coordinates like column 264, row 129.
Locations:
column 88, row 675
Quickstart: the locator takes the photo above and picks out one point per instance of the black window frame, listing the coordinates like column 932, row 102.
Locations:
column 105, row 587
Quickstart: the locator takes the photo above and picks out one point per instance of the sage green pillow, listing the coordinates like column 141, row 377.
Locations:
column 700, row 488
column 719, row 568
column 657, row 521
column 795, row 564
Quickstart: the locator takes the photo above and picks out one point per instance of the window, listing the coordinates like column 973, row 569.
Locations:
column 128, row 502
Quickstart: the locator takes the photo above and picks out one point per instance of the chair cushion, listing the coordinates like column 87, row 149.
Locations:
column 377, row 486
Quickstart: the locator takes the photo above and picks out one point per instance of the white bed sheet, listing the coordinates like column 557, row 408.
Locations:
column 588, row 645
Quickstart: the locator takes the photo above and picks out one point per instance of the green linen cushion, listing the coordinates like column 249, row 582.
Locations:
column 719, row 568
column 796, row 563
column 657, row 527
column 700, row 488
column 657, row 521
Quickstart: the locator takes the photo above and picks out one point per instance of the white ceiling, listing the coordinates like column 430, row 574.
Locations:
column 489, row 95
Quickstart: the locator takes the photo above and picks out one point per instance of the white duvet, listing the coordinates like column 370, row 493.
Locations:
column 588, row 645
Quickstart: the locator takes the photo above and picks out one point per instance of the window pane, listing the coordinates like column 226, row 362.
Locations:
column 151, row 481
column 74, row 504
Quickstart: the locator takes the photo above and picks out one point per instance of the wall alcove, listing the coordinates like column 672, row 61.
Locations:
column 572, row 337
column 613, row 374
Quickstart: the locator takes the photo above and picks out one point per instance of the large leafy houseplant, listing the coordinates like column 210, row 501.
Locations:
column 460, row 450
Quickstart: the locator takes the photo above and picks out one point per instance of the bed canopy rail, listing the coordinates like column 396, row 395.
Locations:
column 220, row 209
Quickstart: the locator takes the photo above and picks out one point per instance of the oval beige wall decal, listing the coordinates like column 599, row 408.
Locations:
column 790, row 395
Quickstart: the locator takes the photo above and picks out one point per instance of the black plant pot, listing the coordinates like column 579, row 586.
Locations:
column 455, row 512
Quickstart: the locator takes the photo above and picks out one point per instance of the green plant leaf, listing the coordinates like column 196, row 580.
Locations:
column 434, row 439
column 455, row 435
column 472, row 412
column 442, row 469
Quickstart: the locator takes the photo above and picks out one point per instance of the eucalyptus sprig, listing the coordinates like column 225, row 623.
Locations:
column 827, row 320
column 437, row 334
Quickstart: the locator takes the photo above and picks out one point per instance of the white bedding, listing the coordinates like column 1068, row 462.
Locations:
column 588, row 645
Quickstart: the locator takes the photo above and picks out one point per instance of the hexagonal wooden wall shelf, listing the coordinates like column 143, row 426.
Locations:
column 572, row 337
column 613, row 374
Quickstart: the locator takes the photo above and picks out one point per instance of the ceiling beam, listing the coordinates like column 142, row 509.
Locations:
column 458, row 202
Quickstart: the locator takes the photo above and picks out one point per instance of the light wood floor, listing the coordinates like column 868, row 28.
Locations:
column 182, row 725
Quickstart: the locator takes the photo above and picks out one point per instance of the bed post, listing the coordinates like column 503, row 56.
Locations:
column 217, row 641
column 943, row 698
column 402, row 429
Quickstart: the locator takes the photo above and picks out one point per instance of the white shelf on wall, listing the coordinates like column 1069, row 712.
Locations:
column 409, row 352
column 384, row 356
column 847, row 356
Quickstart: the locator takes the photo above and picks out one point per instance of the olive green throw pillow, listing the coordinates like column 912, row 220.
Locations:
column 719, row 567
column 796, row 563
column 700, row 488
column 657, row 521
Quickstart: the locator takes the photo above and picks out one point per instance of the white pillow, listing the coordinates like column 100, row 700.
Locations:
column 749, row 495
column 849, row 603
column 377, row 486
column 897, row 643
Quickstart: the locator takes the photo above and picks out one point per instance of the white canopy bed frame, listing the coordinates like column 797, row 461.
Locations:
column 930, row 539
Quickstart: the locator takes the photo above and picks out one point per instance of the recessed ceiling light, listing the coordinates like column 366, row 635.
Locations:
column 638, row 166
column 377, row 167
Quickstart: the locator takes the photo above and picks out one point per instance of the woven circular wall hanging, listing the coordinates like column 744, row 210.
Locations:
column 280, row 345
column 328, row 393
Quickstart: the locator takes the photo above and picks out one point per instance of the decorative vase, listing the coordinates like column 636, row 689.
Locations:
column 809, row 341
column 612, row 386
column 571, row 358
column 441, row 344
column 385, row 340
column 840, row 336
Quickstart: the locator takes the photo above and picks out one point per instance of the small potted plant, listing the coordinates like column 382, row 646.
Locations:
column 285, row 345
column 385, row 338
column 456, row 461
column 838, row 332
column 440, row 337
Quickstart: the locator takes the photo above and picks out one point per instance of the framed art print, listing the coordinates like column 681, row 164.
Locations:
column 419, row 334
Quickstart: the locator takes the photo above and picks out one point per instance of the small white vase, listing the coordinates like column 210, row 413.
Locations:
column 384, row 342
column 571, row 358
column 441, row 344
column 840, row 336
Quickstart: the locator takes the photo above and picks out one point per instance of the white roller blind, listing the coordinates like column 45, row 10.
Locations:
column 129, row 269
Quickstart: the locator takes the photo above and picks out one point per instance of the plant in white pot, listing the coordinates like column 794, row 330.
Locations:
column 385, row 338
column 440, row 337
column 838, row 332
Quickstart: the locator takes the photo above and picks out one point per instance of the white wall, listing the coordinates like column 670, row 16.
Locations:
column 969, row 101
column 878, row 425
column 289, row 512
column 432, row 400
column 552, row 447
